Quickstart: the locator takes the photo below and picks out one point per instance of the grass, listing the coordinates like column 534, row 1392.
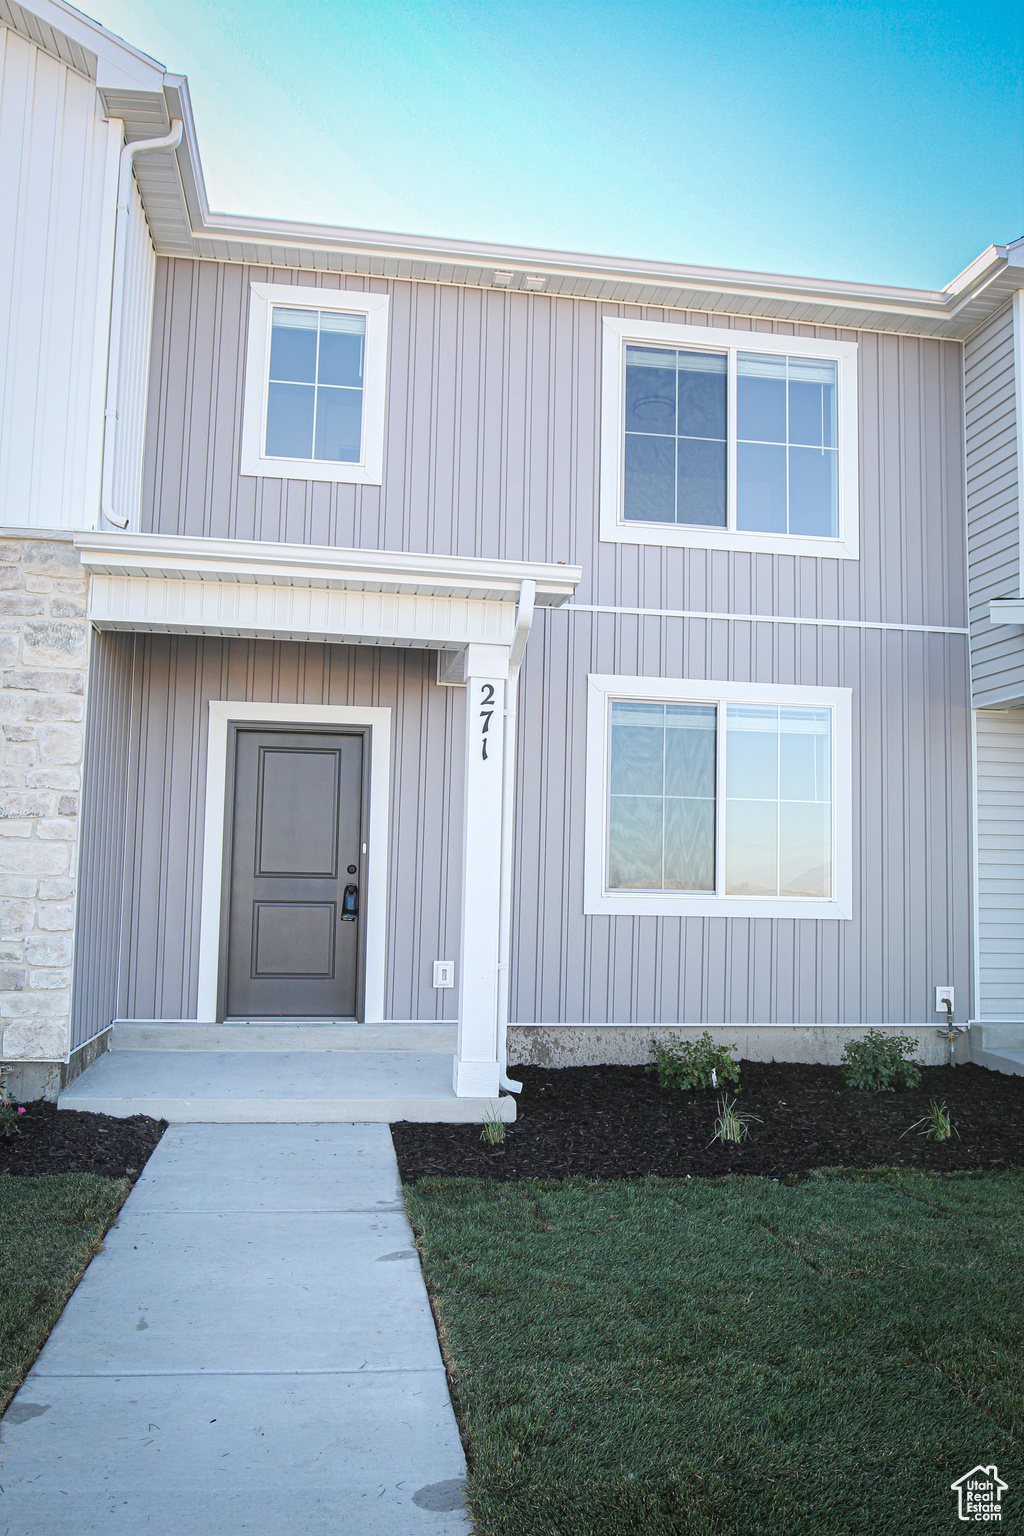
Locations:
column 730, row 1356
column 50, row 1227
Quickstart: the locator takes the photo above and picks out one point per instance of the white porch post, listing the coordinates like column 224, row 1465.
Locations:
column 476, row 1059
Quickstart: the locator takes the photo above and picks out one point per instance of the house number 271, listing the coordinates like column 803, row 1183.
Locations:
column 486, row 711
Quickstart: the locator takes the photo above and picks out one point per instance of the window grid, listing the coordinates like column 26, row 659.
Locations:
column 319, row 388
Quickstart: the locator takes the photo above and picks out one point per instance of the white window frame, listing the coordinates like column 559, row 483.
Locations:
column 694, row 338
column 263, row 297
column 603, row 689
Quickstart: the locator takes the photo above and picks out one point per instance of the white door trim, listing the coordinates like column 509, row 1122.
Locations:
column 225, row 713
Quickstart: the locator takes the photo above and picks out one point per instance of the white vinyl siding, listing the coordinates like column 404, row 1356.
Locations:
column 58, row 178
column 1000, row 834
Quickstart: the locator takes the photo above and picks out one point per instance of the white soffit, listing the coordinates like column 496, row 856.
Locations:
column 147, row 582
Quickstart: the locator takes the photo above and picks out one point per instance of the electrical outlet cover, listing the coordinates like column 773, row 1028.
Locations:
column 444, row 973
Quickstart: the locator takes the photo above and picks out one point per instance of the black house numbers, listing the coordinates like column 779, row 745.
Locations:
column 486, row 711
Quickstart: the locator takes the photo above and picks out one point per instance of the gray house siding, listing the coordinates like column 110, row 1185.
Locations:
column 997, row 651
column 101, row 866
column 492, row 448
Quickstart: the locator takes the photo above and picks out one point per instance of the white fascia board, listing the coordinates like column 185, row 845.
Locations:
column 241, row 561
column 116, row 61
column 1006, row 610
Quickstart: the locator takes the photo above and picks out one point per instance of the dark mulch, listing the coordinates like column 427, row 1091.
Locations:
column 70, row 1141
column 617, row 1123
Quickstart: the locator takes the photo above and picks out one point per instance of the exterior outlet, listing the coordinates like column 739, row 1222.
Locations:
column 444, row 973
column 941, row 995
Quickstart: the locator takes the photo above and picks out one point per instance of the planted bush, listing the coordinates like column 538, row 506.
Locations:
column 881, row 1062
column 690, row 1064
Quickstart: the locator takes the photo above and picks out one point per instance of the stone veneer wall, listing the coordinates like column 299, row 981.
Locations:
column 44, row 641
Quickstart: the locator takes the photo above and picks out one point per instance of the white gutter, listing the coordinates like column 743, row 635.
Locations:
column 524, row 619
column 124, row 186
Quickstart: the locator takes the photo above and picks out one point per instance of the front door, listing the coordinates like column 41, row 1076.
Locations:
column 296, row 875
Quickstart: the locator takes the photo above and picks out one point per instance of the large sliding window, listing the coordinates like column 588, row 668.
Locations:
column 728, row 439
column 717, row 798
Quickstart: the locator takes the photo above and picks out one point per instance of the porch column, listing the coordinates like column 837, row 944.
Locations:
column 476, row 1059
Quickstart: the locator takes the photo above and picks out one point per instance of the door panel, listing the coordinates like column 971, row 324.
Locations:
column 295, row 846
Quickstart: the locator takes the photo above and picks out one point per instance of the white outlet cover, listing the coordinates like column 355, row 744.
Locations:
column 941, row 993
column 444, row 973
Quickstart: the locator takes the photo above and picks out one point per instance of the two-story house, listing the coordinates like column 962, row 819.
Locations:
column 420, row 655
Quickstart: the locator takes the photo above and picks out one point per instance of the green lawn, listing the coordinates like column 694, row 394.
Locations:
column 50, row 1227
column 731, row 1356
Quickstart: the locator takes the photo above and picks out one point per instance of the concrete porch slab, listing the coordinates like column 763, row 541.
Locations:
column 278, row 1086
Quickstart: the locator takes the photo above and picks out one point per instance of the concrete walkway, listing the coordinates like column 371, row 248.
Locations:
column 253, row 1351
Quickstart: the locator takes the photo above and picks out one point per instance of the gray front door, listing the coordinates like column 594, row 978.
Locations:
column 293, row 940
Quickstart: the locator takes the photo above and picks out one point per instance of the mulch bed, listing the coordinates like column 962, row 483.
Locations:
column 72, row 1141
column 618, row 1123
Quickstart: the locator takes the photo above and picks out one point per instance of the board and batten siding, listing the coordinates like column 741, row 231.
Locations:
column 58, row 185
column 133, row 372
column 993, row 520
column 492, row 448
column 1000, row 841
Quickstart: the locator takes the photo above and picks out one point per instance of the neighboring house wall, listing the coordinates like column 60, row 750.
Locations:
column 993, row 521
column 58, row 182
column 1000, row 871
column 492, row 448
column 43, row 643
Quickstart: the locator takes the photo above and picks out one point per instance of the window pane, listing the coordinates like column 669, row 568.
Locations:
column 638, row 749
column 341, row 349
column 760, row 398
column 689, row 845
column 805, row 850
column 812, row 402
column 804, row 757
column 761, row 487
column 634, row 843
column 658, row 843
column 752, row 752
column 293, row 345
column 814, row 491
column 650, row 390
column 690, row 749
column 650, row 489
column 339, row 421
column 702, row 380
column 290, row 421
column 751, row 847
column 701, row 497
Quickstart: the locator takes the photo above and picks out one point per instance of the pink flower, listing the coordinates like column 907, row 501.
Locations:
column 21, row 1111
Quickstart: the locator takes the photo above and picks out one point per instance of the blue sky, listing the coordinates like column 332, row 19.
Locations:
column 876, row 142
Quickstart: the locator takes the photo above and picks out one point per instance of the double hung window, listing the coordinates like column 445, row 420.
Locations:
column 315, row 380
column 717, row 798
column 728, row 439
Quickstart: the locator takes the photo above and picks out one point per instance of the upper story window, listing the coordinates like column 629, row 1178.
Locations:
column 725, row 799
column 728, row 439
column 316, row 366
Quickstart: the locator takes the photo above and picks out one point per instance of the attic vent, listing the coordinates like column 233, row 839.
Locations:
column 502, row 279
column 536, row 282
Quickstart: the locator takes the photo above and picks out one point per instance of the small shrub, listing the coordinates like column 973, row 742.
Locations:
column 936, row 1124
column 881, row 1062
column 493, row 1132
column 690, row 1064
column 731, row 1126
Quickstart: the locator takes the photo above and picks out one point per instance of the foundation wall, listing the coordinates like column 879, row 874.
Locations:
column 591, row 1045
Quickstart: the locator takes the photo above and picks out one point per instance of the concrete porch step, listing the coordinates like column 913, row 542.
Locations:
column 278, row 1035
column 999, row 1047
column 288, row 1087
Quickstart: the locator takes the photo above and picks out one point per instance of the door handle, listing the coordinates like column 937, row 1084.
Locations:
column 350, row 904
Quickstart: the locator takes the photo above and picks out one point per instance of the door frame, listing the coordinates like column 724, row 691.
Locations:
column 225, row 714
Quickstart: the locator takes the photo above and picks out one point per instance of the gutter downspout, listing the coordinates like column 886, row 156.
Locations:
column 524, row 619
column 124, row 186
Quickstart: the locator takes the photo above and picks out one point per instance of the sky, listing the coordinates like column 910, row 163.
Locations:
column 862, row 141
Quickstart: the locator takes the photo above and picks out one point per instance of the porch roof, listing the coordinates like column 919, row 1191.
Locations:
column 154, row 582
